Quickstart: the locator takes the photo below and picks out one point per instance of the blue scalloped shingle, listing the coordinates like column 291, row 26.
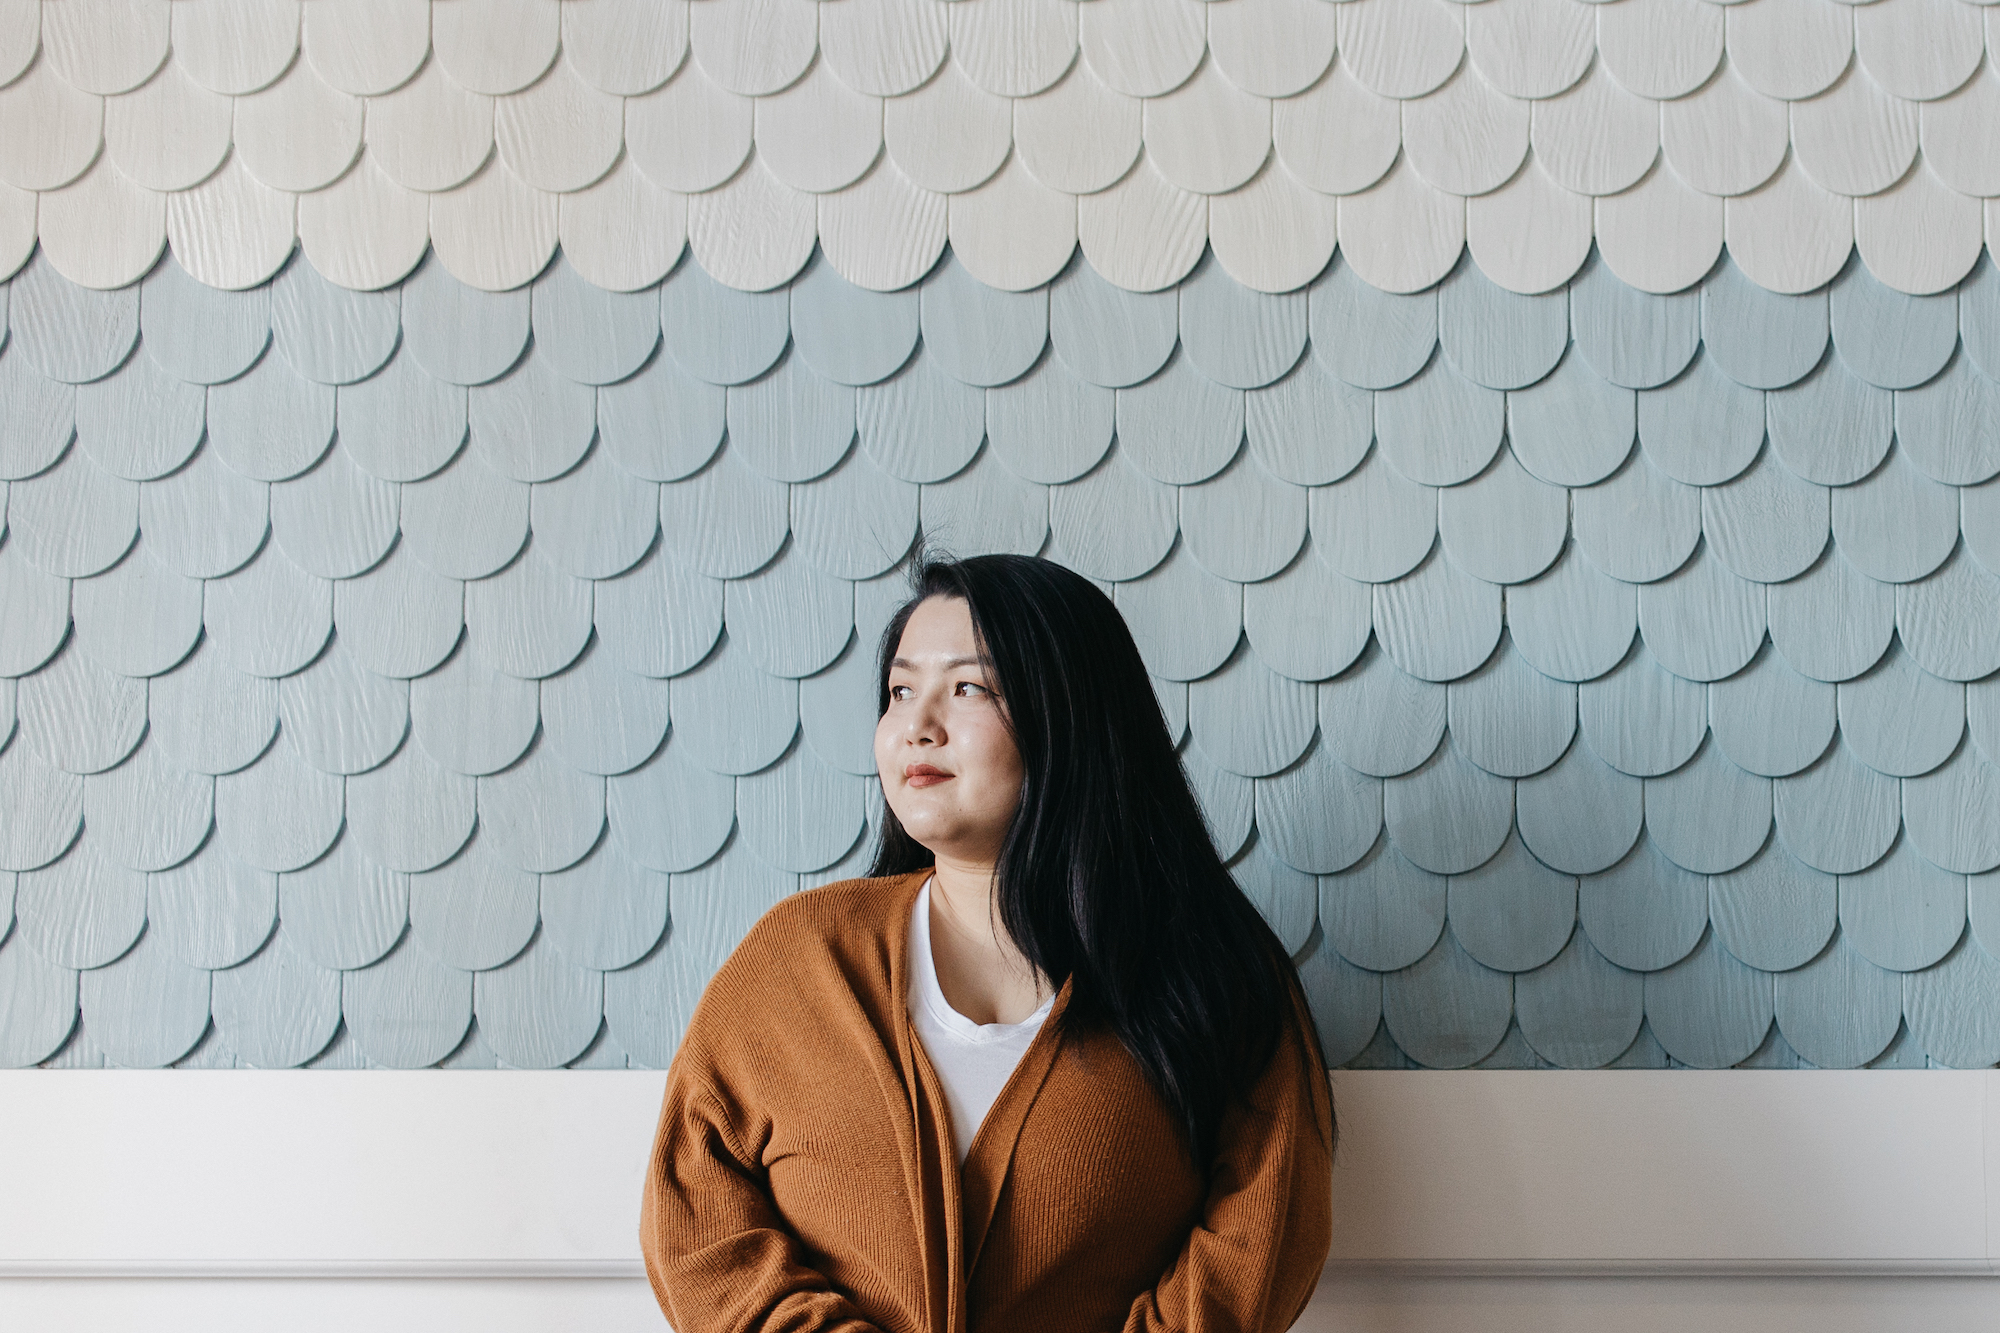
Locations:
column 1897, row 524
column 921, row 424
column 336, row 520
column 141, row 422
column 1509, row 718
column 1286, row 897
column 1319, row 816
column 408, row 1010
column 1953, row 813
column 1832, row 622
column 1308, row 622
column 37, row 415
column 1760, row 338
column 147, row 814
column 1439, row 623
column 1709, row 815
column 1950, row 1007
column 605, row 912
column 857, row 521
column 1641, row 718
column 1446, row 1010
column 1887, row 337
column 400, row 424
column 74, row 520
column 1899, row 718
column 1383, row 912
column 343, row 910
column 340, row 717
column 330, row 333
column 204, row 520
column 1373, row 525
column 1370, row 338
column 1703, row 621
column 1499, row 338
column 984, row 509
column 199, row 333
column 1244, row 524
column 531, row 423
column 1503, row 526
column 280, row 813
column 1579, row 815
column 1185, row 620
column 1839, row 1011
column 597, row 520
column 209, row 716
column 145, row 1009
column 1572, row 622
column 1439, row 428
column 211, row 910
column 661, row 423
column 591, row 335
column 277, row 1010
column 1448, row 815
column 1379, row 719
column 410, row 813
column 791, row 617
column 1769, row 719
column 1950, row 620
column 399, row 618
column 670, row 813
column 837, row 710
column 793, row 424
column 1309, row 427
column 720, row 334
column 1639, row 524
column 1346, row 1003
column 981, row 335
column 271, row 423
column 1632, row 338
column 68, row 331
column 476, row 910
column 79, row 715
column 1512, row 913
column 1052, row 425
column 1180, row 426
column 530, row 619
column 1116, row 523
column 1709, row 1010
column 1902, row 913
column 1107, row 335
column 460, row 333
column 1774, row 912
column 1979, row 314
column 800, row 814
column 1831, row 427
column 1702, row 428
column 1580, row 1010
column 139, row 618
column 471, row 716
column 537, row 1011
column 540, row 813
column 849, row 334
column 1236, row 335
column 1840, row 815
column 1574, row 427
column 82, row 911
column 732, row 716
column 1767, row 524
column 1249, row 719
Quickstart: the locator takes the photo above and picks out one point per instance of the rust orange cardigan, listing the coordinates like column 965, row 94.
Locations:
column 804, row 1176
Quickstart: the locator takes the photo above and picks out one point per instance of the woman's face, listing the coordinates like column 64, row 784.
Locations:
column 949, row 766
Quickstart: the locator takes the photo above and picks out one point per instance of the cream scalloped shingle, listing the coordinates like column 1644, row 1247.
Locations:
column 1526, row 128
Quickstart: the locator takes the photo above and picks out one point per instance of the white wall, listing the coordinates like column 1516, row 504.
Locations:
column 305, row 1201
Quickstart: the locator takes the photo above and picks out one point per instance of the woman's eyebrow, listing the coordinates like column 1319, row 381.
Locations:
column 951, row 664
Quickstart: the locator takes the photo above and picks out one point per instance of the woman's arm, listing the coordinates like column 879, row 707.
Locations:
column 719, row 1255
column 1252, row 1261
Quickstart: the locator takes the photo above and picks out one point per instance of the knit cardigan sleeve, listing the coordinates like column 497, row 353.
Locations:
column 719, row 1255
column 1252, row 1261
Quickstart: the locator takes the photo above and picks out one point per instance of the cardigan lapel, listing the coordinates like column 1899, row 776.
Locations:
column 931, row 1170
column 991, row 1155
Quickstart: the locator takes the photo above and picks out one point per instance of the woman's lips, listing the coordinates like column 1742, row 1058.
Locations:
column 923, row 775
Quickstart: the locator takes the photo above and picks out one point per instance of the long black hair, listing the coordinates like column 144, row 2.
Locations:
column 1107, row 878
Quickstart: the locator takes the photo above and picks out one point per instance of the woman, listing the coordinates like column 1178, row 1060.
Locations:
column 1046, row 1070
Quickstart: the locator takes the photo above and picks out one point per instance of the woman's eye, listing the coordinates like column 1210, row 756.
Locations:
column 971, row 689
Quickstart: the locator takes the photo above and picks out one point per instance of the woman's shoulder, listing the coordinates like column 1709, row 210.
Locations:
column 826, row 930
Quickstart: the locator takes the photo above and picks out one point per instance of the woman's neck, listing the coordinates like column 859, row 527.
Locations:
column 982, row 972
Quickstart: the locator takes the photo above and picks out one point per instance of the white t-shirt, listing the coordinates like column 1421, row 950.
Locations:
column 973, row 1060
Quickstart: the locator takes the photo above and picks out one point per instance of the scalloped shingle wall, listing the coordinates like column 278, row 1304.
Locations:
column 1142, row 130
column 1585, row 678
